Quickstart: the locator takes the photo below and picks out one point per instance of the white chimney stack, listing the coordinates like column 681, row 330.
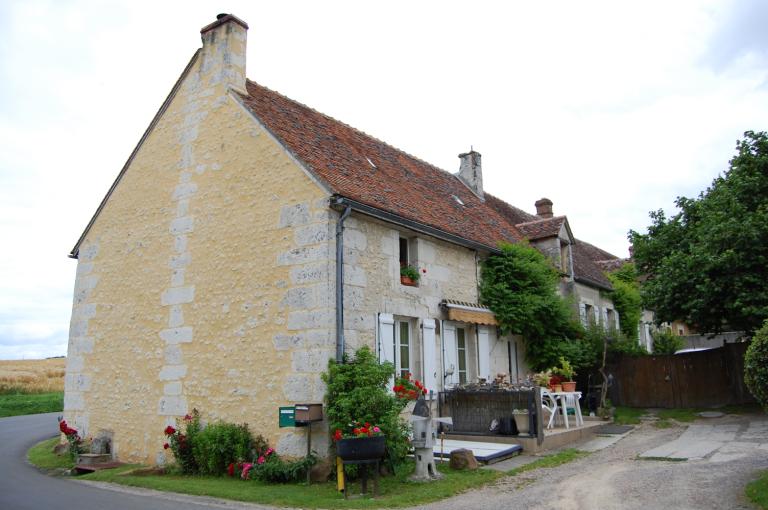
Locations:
column 223, row 55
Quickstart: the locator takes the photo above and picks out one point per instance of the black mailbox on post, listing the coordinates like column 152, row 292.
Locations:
column 307, row 413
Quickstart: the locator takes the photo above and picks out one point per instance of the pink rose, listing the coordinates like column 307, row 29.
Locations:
column 261, row 460
column 376, row 429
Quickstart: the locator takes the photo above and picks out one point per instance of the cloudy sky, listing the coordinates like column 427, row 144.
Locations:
column 610, row 109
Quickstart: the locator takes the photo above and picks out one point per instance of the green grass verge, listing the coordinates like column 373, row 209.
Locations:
column 30, row 403
column 757, row 491
column 394, row 491
column 550, row 461
column 663, row 424
column 628, row 415
column 42, row 456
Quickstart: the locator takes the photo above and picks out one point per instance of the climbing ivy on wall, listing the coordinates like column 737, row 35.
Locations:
column 626, row 299
column 520, row 286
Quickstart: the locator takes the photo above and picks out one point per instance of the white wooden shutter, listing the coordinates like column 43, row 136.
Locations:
column 597, row 315
column 605, row 318
column 484, row 353
column 450, row 355
column 583, row 314
column 616, row 318
column 386, row 337
column 430, row 355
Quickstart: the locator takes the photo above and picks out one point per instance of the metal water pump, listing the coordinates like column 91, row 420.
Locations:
column 423, row 442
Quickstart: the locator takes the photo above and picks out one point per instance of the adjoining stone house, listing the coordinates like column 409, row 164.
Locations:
column 208, row 276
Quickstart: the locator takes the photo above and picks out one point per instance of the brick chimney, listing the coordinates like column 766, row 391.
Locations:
column 223, row 55
column 544, row 208
column 471, row 172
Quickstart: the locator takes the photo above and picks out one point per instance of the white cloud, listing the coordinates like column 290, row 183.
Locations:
column 610, row 109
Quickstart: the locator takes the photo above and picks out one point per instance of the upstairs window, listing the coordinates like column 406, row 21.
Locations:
column 404, row 259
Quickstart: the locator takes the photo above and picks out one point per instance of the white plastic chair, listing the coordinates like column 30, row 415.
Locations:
column 549, row 403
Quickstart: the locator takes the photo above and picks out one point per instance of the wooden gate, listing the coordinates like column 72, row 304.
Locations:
column 709, row 378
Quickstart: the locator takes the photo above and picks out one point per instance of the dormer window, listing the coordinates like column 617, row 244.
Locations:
column 565, row 258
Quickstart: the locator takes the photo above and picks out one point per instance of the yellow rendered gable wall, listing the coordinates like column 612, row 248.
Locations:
column 205, row 282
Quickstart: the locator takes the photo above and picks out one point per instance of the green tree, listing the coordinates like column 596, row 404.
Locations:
column 706, row 264
column 666, row 342
column 756, row 366
column 626, row 298
column 520, row 286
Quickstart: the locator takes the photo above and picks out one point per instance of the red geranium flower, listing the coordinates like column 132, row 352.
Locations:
column 166, row 446
column 169, row 430
column 337, row 435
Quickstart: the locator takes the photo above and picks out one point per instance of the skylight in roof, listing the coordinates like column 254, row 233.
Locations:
column 371, row 162
column 458, row 200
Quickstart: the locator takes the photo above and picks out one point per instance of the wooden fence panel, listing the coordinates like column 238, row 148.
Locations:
column 697, row 379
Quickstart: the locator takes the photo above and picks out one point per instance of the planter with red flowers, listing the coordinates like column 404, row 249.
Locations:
column 409, row 276
column 364, row 442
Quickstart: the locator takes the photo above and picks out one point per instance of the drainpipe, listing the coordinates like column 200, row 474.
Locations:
column 340, row 284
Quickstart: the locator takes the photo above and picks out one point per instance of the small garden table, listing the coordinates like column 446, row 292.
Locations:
column 562, row 399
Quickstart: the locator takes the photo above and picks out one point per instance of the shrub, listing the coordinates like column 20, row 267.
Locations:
column 276, row 470
column 181, row 443
column 220, row 444
column 756, row 365
column 358, row 392
column 665, row 342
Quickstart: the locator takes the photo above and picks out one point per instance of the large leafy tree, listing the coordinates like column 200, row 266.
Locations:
column 707, row 264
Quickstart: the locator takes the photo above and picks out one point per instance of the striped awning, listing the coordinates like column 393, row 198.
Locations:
column 469, row 312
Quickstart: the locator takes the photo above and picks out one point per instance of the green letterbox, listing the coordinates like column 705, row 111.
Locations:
column 287, row 417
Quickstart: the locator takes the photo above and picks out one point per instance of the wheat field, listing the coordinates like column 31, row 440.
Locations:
column 32, row 376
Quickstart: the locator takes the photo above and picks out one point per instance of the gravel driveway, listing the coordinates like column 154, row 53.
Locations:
column 614, row 478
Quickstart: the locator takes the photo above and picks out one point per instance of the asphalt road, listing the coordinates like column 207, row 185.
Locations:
column 23, row 487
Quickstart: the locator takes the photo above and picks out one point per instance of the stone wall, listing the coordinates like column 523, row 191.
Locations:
column 205, row 282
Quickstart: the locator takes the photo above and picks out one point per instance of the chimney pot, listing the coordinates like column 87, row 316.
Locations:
column 544, row 208
column 471, row 172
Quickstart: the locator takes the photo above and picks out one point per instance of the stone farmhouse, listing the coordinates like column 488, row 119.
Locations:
column 249, row 239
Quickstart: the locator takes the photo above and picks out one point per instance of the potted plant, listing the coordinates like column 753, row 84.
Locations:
column 566, row 371
column 542, row 378
column 522, row 420
column 363, row 442
column 409, row 275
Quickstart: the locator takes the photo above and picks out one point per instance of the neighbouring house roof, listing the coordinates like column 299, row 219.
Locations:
column 542, row 227
column 360, row 167
column 610, row 265
column 585, row 268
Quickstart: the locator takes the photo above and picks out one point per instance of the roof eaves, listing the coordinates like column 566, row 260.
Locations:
column 338, row 200
column 76, row 249
column 592, row 283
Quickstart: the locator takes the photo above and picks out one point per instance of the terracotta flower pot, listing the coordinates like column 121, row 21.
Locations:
column 361, row 448
column 407, row 281
column 569, row 386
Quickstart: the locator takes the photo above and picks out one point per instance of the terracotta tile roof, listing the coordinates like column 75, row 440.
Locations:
column 610, row 265
column 541, row 228
column 359, row 167
column 585, row 268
